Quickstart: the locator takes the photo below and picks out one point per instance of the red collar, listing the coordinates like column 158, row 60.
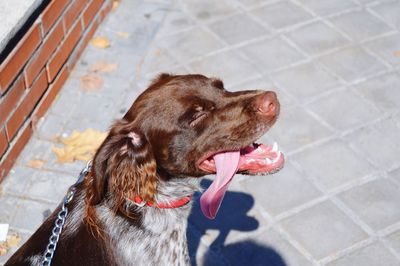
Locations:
column 162, row 205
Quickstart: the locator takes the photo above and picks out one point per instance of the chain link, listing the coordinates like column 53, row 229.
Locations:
column 60, row 220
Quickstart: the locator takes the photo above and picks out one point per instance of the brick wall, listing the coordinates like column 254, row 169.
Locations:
column 35, row 70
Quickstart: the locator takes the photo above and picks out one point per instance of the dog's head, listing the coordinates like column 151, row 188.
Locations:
column 186, row 126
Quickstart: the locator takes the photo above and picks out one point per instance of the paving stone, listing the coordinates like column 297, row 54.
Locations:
column 307, row 129
column 394, row 240
column 352, row 63
column 382, row 91
column 271, row 54
column 49, row 186
column 275, row 193
column 376, row 146
column 50, row 127
column 316, row 38
column 389, row 11
column 229, row 28
column 281, row 14
column 305, row 81
column 376, row 203
column 225, row 65
column 251, row 3
column 387, row 48
column 395, row 174
column 17, row 180
column 360, row 25
column 158, row 60
column 262, row 83
column 205, row 10
column 391, row 127
column 36, row 149
column 192, row 43
column 268, row 248
column 324, row 222
column 63, row 104
column 7, row 210
column 92, row 107
column 372, row 255
column 329, row 106
column 332, row 164
column 175, row 20
column 29, row 214
column 325, row 8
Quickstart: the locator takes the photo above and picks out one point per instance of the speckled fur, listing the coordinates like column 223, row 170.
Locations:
column 161, row 238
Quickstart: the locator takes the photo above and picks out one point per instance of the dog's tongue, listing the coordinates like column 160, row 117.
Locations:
column 226, row 165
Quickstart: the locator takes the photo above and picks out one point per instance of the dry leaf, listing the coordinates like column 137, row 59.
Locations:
column 157, row 52
column 79, row 146
column 396, row 53
column 101, row 42
column 123, row 34
column 91, row 82
column 13, row 240
column 115, row 4
column 103, row 67
column 3, row 248
column 38, row 164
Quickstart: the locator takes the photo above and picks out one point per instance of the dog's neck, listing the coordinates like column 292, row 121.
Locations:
column 163, row 229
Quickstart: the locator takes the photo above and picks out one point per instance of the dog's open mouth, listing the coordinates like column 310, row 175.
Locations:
column 253, row 159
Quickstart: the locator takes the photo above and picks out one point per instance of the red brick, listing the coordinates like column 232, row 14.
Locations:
column 18, row 58
column 3, row 142
column 74, row 10
column 63, row 52
column 27, row 105
column 91, row 11
column 52, row 13
column 16, row 147
column 11, row 99
column 51, row 93
column 49, row 45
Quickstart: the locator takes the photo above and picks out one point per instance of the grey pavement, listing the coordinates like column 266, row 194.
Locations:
column 336, row 68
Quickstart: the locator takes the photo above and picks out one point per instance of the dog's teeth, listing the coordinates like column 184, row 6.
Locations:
column 277, row 157
column 275, row 147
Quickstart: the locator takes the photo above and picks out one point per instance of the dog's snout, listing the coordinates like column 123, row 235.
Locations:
column 267, row 103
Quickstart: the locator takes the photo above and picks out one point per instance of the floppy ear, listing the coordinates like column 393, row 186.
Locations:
column 123, row 167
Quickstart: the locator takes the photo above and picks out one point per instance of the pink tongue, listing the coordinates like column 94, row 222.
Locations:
column 226, row 165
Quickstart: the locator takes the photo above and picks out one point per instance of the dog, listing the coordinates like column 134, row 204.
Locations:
column 132, row 207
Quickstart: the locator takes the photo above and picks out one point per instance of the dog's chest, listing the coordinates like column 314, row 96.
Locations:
column 160, row 240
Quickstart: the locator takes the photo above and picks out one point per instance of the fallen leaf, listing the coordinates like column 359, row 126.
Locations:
column 123, row 34
column 103, row 67
column 101, row 42
column 115, row 5
column 13, row 240
column 157, row 52
column 37, row 163
column 91, row 82
column 79, row 146
column 3, row 249
column 396, row 53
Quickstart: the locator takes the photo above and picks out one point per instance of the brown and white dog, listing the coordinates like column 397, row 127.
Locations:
column 132, row 208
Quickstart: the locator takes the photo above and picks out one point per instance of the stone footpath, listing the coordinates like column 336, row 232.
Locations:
column 335, row 65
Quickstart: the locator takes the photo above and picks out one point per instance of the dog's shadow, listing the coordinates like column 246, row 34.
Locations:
column 231, row 216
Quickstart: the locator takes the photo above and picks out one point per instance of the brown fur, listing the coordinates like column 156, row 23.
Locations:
column 172, row 125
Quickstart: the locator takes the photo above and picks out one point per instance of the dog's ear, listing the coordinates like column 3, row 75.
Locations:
column 123, row 167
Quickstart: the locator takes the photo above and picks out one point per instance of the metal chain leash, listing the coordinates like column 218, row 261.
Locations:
column 61, row 216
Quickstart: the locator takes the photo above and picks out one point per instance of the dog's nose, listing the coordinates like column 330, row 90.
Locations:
column 267, row 103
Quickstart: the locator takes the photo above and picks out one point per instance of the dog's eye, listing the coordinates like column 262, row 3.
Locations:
column 198, row 117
